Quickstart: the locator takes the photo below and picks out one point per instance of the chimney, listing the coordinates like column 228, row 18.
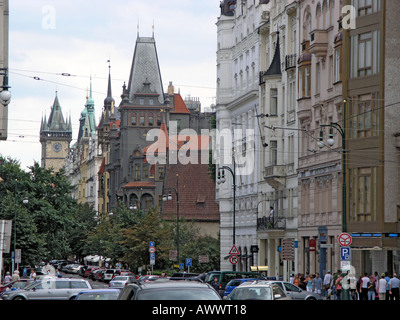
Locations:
column 171, row 89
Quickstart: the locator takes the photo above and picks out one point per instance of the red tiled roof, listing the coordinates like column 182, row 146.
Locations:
column 180, row 105
column 196, row 193
column 102, row 166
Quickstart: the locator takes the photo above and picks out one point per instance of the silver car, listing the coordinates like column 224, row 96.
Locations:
column 121, row 281
column 295, row 292
column 49, row 289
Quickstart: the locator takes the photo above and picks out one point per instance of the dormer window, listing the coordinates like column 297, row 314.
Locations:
column 141, row 101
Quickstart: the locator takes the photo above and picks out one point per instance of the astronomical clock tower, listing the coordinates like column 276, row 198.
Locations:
column 55, row 137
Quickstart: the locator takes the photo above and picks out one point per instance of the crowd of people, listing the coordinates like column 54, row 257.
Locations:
column 336, row 286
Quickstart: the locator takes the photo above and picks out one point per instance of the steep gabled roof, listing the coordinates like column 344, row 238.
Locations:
column 145, row 69
column 180, row 105
column 56, row 122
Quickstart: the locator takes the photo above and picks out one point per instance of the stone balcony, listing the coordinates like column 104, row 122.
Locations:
column 275, row 176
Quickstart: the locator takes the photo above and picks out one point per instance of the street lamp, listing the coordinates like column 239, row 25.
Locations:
column 221, row 179
column 331, row 142
column 5, row 95
column 169, row 198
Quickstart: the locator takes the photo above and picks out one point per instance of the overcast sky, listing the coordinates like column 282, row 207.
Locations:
column 48, row 38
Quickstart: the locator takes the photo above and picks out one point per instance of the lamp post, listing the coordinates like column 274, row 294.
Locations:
column 24, row 201
column 221, row 179
column 169, row 197
column 331, row 142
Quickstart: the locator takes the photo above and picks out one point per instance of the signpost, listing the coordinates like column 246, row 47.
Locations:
column 152, row 251
column 345, row 239
column 287, row 249
column 188, row 263
column 234, row 255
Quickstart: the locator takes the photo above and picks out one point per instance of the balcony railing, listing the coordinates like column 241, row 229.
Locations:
column 290, row 61
column 265, row 223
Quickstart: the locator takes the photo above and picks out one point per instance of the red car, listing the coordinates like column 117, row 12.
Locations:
column 89, row 270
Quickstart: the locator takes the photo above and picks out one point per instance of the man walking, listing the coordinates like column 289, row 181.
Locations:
column 381, row 287
column 327, row 283
column 317, row 284
column 364, row 287
column 394, row 285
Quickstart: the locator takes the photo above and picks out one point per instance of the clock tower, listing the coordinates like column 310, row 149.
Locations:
column 55, row 137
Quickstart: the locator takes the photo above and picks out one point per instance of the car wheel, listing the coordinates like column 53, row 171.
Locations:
column 72, row 298
column 19, row 298
column 311, row 298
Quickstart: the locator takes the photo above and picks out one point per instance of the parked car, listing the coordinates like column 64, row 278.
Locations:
column 169, row 290
column 258, row 290
column 121, row 281
column 225, row 276
column 234, row 283
column 14, row 285
column 148, row 278
column 100, row 294
column 93, row 275
column 128, row 273
column 90, row 269
column 295, row 292
column 73, row 268
column 49, row 289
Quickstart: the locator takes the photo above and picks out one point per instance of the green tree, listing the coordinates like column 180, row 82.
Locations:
column 150, row 227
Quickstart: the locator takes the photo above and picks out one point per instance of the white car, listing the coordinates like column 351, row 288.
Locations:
column 121, row 281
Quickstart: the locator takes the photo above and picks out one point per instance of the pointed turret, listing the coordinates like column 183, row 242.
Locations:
column 145, row 71
column 275, row 67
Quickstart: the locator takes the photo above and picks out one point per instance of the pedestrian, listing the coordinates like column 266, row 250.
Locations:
column 364, row 287
column 381, row 287
column 371, row 288
column 215, row 284
column 338, row 286
column 302, row 283
column 32, row 274
column 317, row 284
column 296, row 280
column 7, row 278
column 15, row 276
column 327, row 283
column 309, row 285
column 394, row 285
column 291, row 279
column 387, row 278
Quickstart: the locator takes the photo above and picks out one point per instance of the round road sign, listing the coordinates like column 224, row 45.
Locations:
column 233, row 259
column 152, row 249
column 345, row 239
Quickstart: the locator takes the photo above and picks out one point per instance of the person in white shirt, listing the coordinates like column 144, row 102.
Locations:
column 381, row 287
column 327, row 283
column 364, row 287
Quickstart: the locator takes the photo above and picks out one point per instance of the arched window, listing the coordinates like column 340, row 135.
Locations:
column 318, row 17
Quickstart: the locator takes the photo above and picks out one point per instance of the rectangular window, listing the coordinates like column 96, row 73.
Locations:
column 141, row 119
column 365, row 54
column 307, row 82
column 160, row 173
column 364, row 120
column 337, row 76
column 134, row 119
column 318, row 78
column 137, row 171
column 331, row 72
column 300, row 84
column 151, row 121
column 274, row 152
column 158, row 120
column 274, row 102
column 366, row 7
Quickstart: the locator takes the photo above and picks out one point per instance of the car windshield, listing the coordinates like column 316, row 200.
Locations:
column 178, row 294
column 251, row 293
column 33, row 284
column 120, row 278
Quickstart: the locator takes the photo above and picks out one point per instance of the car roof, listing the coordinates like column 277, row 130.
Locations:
column 100, row 291
column 172, row 284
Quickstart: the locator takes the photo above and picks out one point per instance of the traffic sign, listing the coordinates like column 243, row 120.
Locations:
column 233, row 259
column 188, row 262
column 344, row 253
column 181, row 266
column 345, row 239
column 152, row 249
column 152, row 244
column 234, row 250
column 152, row 256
